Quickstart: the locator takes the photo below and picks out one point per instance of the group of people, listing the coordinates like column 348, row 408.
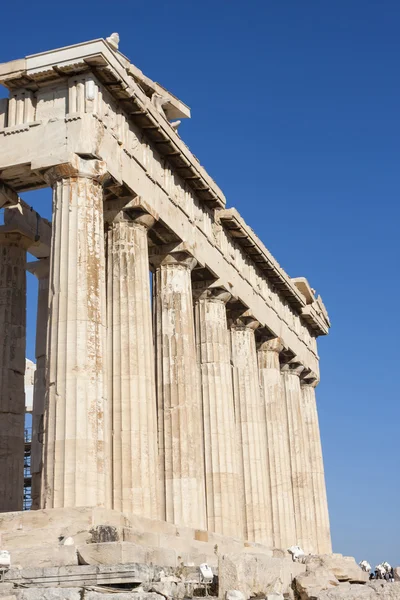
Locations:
column 382, row 571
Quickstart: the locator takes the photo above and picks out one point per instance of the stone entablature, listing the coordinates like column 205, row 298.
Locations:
column 62, row 95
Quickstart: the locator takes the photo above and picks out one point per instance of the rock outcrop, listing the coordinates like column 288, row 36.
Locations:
column 337, row 577
column 256, row 574
column 373, row 590
column 311, row 583
column 157, row 573
column 344, row 568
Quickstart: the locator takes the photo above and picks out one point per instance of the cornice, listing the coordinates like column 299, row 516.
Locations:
column 312, row 314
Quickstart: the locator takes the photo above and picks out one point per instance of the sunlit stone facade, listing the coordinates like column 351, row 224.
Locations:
column 190, row 400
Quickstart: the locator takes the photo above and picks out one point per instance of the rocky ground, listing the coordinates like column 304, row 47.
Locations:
column 238, row 577
column 374, row 590
column 334, row 577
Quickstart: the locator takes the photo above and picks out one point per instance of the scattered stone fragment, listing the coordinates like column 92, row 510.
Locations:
column 310, row 584
column 256, row 574
column 344, row 568
column 370, row 591
column 234, row 595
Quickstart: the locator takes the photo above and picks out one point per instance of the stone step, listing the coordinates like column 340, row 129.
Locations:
column 85, row 575
column 176, row 553
column 19, row 540
column 254, row 548
column 42, row 533
column 128, row 552
column 64, row 522
column 204, row 541
column 44, row 556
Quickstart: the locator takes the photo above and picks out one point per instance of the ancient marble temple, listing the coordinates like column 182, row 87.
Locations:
column 189, row 399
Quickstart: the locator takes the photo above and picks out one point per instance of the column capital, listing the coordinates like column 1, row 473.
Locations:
column 294, row 368
column 309, row 379
column 77, row 167
column 14, row 238
column 179, row 254
column 209, row 290
column 39, row 268
column 8, row 196
column 131, row 220
column 270, row 345
column 133, row 210
column 244, row 320
column 26, row 221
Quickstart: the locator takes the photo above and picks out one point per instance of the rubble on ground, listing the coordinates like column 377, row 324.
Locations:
column 124, row 570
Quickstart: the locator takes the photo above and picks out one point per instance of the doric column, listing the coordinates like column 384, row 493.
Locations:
column 301, row 480
column 318, row 490
column 40, row 269
column 131, row 367
column 278, row 454
column 221, row 462
column 251, row 434
column 12, row 369
column 178, row 393
column 76, row 472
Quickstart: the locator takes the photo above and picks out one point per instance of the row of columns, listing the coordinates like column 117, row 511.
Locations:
column 217, row 436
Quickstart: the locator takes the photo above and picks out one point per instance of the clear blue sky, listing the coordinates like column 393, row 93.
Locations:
column 295, row 113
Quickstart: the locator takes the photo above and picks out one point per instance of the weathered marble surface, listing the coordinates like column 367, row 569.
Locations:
column 277, row 442
column 12, row 369
column 299, row 459
column 179, row 404
column 224, row 513
column 317, row 491
column 132, row 391
column 251, row 435
column 76, row 469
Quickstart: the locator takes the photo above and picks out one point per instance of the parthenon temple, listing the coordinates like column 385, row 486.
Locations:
column 176, row 361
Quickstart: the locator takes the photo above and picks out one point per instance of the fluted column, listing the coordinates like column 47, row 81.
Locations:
column 40, row 269
column 316, row 464
column 131, row 367
column 251, row 434
column 301, row 480
column 12, row 370
column 221, row 464
column 278, row 455
column 178, row 392
column 76, row 472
